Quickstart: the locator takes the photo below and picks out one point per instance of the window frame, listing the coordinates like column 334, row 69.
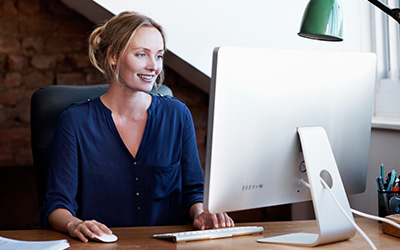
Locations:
column 385, row 42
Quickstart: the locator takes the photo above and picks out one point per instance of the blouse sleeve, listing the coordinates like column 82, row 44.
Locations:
column 193, row 179
column 63, row 177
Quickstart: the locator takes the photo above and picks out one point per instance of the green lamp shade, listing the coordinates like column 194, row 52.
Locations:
column 322, row 20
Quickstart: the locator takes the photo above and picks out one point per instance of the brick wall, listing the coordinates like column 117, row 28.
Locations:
column 42, row 43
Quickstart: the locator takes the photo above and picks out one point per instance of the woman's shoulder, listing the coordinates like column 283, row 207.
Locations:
column 170, row 102
column 171, row 107
column 83, row 108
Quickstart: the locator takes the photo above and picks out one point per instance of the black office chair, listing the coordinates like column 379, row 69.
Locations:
column 46, row 106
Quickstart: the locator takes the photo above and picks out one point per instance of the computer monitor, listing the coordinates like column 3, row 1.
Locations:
column 259, row 98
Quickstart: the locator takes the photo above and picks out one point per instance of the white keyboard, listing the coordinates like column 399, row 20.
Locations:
column 210, row 234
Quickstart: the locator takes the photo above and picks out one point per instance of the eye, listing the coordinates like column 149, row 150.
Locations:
column 160, row 57
column 141, row 54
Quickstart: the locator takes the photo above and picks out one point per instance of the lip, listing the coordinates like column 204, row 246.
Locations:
column 146, row 77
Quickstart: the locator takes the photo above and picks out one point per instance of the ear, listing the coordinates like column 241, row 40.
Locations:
column 112, row 59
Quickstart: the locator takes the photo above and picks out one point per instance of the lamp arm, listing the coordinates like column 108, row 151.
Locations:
column 395, row 13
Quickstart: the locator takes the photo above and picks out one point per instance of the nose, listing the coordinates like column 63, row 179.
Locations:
column 152, row 64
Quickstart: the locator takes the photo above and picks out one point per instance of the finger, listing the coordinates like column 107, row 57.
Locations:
column 93, row 227
column 232, row 222
column 214, row 220
column 82, row 237
column 226, row 220
column 198, row 223
column 221, row 219
column 100, row 228
column 78, row 232
column 104, row 228
column 229, row 221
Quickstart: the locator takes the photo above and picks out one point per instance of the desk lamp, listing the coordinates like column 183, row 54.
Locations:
column 323, row 19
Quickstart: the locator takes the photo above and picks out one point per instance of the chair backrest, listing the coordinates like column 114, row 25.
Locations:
column 46, row 106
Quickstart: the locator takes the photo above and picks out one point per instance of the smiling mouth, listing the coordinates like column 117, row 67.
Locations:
column 146, row 77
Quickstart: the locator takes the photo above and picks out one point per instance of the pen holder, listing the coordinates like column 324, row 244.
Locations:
column 388, row 203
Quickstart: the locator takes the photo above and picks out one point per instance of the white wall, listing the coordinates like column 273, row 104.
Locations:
column 195, row 28
column 384, row 148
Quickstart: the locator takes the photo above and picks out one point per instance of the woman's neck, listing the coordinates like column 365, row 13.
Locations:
column 126, row 103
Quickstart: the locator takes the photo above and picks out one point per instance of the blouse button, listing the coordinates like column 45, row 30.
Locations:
column 138, row 208
column 137, row 194
column 134, row 164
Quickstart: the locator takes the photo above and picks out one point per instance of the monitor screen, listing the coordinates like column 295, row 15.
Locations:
column 258, row 99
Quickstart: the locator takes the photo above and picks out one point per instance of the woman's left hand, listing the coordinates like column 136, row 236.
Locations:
column 209, row 220
column 203, row 220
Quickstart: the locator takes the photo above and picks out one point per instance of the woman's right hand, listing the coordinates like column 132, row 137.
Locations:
column 85, row 230
column 62, row 220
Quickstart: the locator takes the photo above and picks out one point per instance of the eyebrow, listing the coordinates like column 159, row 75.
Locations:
column 147, row 49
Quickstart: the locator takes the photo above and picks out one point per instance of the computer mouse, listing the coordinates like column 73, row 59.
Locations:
column 107, row 238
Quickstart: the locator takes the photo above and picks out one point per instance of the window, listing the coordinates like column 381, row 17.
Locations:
column 386, row 44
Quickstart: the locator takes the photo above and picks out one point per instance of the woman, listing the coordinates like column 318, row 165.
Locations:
column 126, row 158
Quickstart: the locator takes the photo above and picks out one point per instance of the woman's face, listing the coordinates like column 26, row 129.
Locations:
column 142, row 61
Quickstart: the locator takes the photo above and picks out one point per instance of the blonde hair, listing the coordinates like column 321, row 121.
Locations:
column 112, row 38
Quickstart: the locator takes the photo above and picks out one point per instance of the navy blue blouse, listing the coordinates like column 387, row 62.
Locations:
column 94, row 176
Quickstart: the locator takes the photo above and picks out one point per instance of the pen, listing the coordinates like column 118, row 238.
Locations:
column 396, row 187
column 391, row 181
column 379, row 190
column 382, row 170
column 378, row 184
column 382, row 188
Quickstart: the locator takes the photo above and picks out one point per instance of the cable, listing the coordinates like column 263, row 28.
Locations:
column 362, row 214
column 347, row 216
column 301, row 181
column 377, row 218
